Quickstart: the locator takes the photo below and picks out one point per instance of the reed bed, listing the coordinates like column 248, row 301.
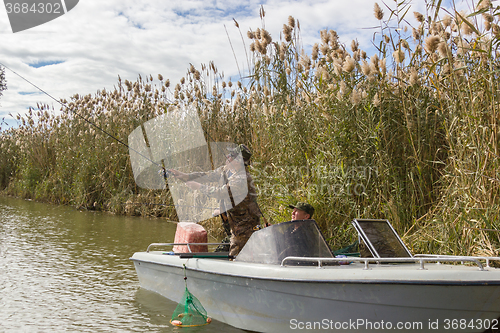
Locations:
column 409, row 133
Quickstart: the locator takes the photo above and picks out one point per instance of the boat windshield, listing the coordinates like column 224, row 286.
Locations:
column 271, row 245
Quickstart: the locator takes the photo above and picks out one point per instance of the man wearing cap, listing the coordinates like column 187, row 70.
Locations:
column 234, row 179
column 300, row 240
column 302, row 211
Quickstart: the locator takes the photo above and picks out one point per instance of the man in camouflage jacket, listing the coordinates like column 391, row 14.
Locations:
column 235, row 179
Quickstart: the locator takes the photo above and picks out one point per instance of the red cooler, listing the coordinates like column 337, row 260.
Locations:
column 189, row 232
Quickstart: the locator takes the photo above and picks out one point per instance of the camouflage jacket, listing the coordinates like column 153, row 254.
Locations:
column 229, row 188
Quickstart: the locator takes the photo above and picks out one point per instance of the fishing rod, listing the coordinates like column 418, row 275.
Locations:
column 82, row 117
column 92, row 123
column 165, row 172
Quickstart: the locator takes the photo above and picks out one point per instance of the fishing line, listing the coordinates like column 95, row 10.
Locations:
column 165, row 172
column 81, row 117
column 90, row 122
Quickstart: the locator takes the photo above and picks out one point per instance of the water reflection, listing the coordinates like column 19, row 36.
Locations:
column 66, row 270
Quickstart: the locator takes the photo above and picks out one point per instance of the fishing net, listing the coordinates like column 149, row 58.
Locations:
column 189, row 312
column 176, row 140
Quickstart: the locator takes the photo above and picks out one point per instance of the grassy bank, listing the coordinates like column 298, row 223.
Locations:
column 409, row 133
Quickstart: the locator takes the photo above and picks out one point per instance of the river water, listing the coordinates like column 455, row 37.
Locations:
column 63, row 270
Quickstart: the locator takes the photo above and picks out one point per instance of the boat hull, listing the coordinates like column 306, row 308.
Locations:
column 267, row 298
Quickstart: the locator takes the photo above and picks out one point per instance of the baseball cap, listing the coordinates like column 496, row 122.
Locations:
column 303, row 207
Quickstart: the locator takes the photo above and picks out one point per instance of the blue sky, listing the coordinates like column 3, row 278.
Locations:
column 87, row 49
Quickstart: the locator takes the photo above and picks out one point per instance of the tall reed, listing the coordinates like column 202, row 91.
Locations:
column 409, row 133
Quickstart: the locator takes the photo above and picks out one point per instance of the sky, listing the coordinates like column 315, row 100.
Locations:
column 86, row 49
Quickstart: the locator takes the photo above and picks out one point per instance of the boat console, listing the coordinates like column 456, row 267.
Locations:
column 301, row 238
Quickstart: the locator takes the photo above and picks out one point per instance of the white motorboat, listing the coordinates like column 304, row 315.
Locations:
column 286, row 279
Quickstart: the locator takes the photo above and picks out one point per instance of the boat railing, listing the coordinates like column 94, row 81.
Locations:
column 421, row 260
column 182, row 244
column 446, row 257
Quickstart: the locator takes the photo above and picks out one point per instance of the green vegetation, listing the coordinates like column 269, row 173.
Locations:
column 410, row 134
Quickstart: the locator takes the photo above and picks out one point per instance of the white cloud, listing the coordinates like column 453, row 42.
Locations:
column 99, row 40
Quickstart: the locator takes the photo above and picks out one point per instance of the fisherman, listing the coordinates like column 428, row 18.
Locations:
column 301, row 240
column 302, row 211
column 244, row 217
